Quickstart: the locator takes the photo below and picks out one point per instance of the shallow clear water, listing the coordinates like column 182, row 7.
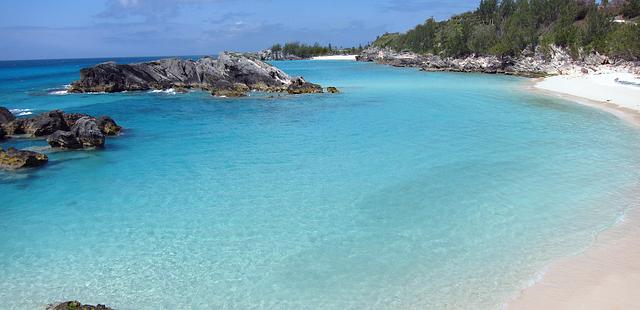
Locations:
column 407, row 190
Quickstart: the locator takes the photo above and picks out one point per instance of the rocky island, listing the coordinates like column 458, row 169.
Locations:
column 230, row 75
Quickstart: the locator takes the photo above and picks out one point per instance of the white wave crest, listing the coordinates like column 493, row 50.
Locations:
column 169, row 91
column 59, row 92
column 21, row 112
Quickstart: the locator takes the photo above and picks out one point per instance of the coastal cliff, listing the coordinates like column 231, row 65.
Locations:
column 231, row 74
column 553, row 60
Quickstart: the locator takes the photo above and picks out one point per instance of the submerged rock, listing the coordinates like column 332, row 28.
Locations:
column 17, row 159
column 3, row 134
column 6, row 115
column 220, row 76
column 76, row 305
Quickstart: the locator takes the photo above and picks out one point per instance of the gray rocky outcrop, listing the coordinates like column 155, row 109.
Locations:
column 85, row 133
column 64, row 139
column 88, row 133
column 550, row 60
column 230, row 73
column 76, row 305
column 17, row 159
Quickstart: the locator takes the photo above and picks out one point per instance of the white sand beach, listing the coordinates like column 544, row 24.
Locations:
column 335, row 57
column 607, row 275
column 600, row 87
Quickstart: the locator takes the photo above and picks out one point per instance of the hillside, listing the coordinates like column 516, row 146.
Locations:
column 509, row 27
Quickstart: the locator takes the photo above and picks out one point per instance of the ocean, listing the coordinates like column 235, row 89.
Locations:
column 408, row 190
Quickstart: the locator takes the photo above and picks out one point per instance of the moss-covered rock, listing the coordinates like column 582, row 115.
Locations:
column 236, row 90
column 17, row 159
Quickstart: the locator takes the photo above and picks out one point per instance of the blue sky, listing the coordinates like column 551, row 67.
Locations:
column 41, row 29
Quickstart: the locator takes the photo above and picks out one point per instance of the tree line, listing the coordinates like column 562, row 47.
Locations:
column 307, row 51
column 508, row 27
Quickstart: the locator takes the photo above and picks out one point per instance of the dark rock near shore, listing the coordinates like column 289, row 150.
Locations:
column 71, row 118
column 76, row 305
column 108, row 126
column 17, row 159
column 70, row 131
column 88, row 133
column 84, row 133
column 46, row 124
column 221, row 76
column 105, row 123
column 64, row 139
column 38, row 126
column 6, row 115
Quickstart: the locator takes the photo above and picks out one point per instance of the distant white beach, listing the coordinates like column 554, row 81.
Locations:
column 335, row 57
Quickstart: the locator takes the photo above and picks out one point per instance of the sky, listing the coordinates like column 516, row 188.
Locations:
column 48, row 29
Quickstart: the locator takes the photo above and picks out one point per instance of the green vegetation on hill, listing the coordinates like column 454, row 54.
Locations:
column 507, row 27
column 306, row 51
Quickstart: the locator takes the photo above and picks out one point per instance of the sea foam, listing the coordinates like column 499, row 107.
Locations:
column 21, row 112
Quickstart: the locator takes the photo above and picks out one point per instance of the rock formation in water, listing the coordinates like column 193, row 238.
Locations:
column 554, row 60
column 69, row 131
column 76, row 305
column 231, row 74
column 16, row 159
column 332, row 90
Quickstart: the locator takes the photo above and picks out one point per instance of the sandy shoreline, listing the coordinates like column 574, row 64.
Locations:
column 607, row 275
column 335, row 57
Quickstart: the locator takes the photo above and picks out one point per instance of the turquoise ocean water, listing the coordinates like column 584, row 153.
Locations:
column 408, row 190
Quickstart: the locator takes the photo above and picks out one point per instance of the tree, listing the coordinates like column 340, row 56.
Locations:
column 482, row 39
column 623, row 42
column 631, row 8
